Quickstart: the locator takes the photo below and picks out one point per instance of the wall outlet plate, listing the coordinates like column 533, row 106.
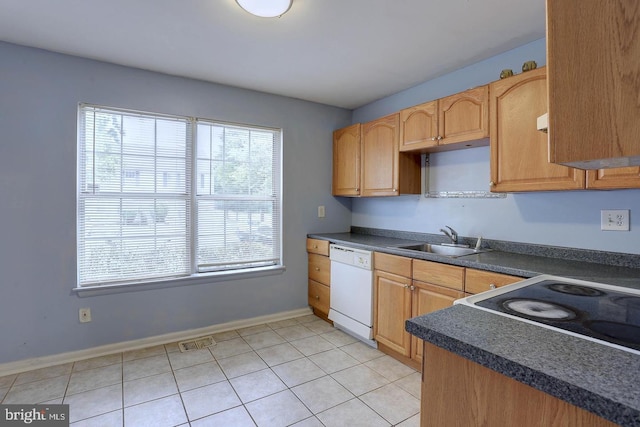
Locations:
column 84, row 315
column 614, row 220
column 321, row 212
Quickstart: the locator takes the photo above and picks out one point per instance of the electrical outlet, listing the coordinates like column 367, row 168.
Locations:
column 84, row 315
column 616, row 220
column 320, row 211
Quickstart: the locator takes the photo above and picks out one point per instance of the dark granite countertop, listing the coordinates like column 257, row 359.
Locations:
column 600, row 379
column 516, row 259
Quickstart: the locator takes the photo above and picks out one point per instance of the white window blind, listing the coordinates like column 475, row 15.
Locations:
column 145, row 213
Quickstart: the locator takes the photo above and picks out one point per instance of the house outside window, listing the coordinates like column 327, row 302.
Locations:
column 164, row 197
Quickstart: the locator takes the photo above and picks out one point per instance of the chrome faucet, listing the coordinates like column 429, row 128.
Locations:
column 453, row 235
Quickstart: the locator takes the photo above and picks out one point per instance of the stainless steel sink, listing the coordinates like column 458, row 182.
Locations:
column 446, row 250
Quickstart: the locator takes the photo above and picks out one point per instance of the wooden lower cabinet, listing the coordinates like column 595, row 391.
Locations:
column 427, row 298
column 392, row 306
column 459, row 392
column 319, row 272
column 399, row 297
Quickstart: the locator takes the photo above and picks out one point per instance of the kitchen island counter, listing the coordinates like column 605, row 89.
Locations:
column 600, row 379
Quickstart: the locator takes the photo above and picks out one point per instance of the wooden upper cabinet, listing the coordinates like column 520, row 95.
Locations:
column 419, row 126
column 464, row 117
column 386, row 171
column 593, row 61
column 457, row 121
column 519, row 152
column 346, row 161
column 606, row 179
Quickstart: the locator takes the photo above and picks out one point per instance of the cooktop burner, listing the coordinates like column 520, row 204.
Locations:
column 568, row 288
column 538, row 309
column 605, row 313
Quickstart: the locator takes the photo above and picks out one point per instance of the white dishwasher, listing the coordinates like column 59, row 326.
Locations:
column 351, row 302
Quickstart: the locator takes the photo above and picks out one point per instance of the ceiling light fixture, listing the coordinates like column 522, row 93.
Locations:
column 265, row 8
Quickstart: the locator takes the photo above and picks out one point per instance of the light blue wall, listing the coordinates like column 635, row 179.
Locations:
column 39, row 95
column 564, row 218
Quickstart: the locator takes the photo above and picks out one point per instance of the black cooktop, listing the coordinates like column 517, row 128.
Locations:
column 604, row 314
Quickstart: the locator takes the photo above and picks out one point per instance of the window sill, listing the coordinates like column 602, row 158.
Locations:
column 202, row 278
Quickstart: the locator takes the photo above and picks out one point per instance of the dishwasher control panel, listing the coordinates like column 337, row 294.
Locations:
column 355, row 257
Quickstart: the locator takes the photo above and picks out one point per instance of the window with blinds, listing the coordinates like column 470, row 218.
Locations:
column 163, row 197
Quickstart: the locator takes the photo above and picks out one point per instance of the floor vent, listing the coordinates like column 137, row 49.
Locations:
column 196, row 344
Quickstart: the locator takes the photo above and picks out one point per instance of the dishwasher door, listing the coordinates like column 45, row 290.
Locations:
column 351, row 302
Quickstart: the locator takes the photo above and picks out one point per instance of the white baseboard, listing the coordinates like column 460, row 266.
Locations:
column 103, row 350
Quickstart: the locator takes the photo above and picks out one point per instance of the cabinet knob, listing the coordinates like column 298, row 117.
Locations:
column 413, row 288
column 492, row 286
column 315, row 246
column 394, row 190
column 491, row 183
column 317, row 268
column 317, row 296
column 438, row 138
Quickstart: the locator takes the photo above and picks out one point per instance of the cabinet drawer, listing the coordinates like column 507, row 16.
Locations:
column 318, row 246
column 477, row 281
column 320, row 268
column 392, row 263
column 319, row 296
column 450, row 276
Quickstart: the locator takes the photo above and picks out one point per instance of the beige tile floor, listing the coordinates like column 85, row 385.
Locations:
column 299, row 372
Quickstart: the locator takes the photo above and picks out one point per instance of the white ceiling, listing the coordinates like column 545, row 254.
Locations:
column 345, row 53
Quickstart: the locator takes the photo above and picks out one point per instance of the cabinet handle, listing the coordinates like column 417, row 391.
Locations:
column 492, row 286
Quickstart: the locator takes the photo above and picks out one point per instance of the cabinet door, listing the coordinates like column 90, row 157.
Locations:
column 614, row 178
column 380, row 157
column 428, row 298
column 419, row 126
column 593, row 57
column 391, row 308
column 464, row 117
column 519, row 152
column 346, row 161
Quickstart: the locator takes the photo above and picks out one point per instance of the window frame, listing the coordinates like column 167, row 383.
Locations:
column 194, row 276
